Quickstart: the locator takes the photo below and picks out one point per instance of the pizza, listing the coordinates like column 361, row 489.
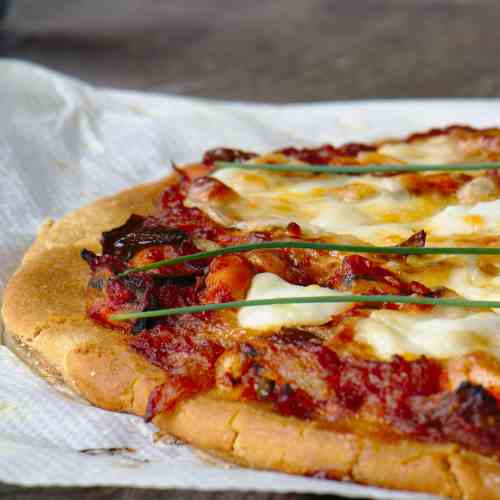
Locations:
column 403, row 395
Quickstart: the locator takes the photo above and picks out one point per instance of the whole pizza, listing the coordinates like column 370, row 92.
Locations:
column 331, row 311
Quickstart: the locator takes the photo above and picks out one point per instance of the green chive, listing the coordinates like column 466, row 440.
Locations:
column 393, row 299
column 318, row 246
column 358, row 169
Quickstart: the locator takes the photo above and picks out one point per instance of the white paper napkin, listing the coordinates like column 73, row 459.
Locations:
column 62, row 145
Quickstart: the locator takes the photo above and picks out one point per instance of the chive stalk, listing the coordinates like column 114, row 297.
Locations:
column 357, row 169
column 391, row 250
column 393, row 299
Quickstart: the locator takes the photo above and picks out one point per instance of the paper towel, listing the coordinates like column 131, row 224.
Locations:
column 63, row 144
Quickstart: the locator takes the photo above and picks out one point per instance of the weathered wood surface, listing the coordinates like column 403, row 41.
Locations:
column 9, row 493
column 275, row 51
column 279, row 50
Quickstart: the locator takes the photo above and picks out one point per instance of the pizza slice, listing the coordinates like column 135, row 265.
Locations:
column 330, row 311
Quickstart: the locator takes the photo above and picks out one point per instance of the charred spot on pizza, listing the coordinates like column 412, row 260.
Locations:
column 226, row 154
column 445, row 184
column 161, row 283
column 319, row 156
column 89, row 257
column 327, row 154
column 136, row 234
column 354, row 148
column 172, row 280
column 415, row 240
column 470, row 416
column 361, row 275
column 108, row 262
column 109, row 293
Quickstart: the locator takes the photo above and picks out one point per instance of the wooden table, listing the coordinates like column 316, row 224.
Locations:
column 276, row 51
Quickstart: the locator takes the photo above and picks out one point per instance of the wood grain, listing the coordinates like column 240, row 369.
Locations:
column 12, row 493
column 280, row 50
column 276, row 51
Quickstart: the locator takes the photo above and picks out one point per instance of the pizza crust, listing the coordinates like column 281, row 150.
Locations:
column 44, row 311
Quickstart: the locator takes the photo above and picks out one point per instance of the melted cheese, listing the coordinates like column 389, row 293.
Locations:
column 378, row 210
column 482, row 219
column 274, row 317
column 381, row 211
column 455, row 332
column 392, row 332
column 472, row 282
column 432, row 151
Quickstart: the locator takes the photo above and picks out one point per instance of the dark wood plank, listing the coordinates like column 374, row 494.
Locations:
column 12, row 493
column 279, row 51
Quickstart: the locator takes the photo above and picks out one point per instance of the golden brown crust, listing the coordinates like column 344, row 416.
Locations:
column 255, row 437
column 85, row 225
column 44, row 309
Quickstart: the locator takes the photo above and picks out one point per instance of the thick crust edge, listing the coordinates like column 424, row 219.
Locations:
column 43, row 311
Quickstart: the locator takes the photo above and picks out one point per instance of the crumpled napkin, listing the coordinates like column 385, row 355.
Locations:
column 63, row 144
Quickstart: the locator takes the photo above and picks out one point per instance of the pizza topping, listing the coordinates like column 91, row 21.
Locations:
column 444, row 184
column 441, row 148
column 190, row 220
column 416, row 240
column 480, row 219
column 470, row 416
column 168, row 252
column 339, row 362
column 302, row 361
column 304, row 254
column 272, row 317
column 365, row 276
column 326, row 154
column 353, row 205
column 210, row 189
column 228, row 278
column 110, row 292
column 303, row 378
column 188, row 358
column 138, row 233
column 226, row 154
column 113, row 295
column 479, row 189
column 111, row 263
column 392, row 332
column 476, row 278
